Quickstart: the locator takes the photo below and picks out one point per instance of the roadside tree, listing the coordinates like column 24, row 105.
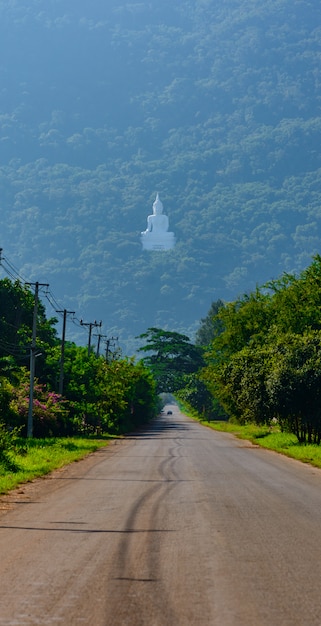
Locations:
column 173, row 356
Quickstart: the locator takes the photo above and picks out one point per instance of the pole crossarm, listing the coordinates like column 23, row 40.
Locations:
column 36, row 283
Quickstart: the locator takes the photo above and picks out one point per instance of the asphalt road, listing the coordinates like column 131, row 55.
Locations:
column 176, row 525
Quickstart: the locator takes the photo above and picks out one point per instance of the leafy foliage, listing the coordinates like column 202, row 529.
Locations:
column 265, row 365
column 215, row 105
column 50, row 412
column 8, row 443
column 99, row 396
column 16, row 317
column 294, row 385
column 173, row 358
column 196, row 398
column 210, row 326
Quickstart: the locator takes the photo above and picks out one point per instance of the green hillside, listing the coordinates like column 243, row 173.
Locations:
column 216, row 106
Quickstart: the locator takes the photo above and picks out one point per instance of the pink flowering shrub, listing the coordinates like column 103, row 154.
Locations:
column 49, row 410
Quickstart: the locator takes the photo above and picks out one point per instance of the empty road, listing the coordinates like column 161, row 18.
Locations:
column 176, row 525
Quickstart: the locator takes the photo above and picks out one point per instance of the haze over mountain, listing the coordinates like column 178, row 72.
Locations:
column 215, row 105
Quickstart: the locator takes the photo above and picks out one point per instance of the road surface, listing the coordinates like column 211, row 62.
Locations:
column 176, row 525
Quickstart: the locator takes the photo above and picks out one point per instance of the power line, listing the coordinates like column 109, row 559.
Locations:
column 11, row 270
column 14, row 274
column 19, row 352
column 53, row 303
column 77, row 322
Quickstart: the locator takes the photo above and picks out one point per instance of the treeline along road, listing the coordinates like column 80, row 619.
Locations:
column 177, row 524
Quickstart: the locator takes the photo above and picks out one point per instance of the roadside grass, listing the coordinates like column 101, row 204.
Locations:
column 32, row 458
column 272, row 439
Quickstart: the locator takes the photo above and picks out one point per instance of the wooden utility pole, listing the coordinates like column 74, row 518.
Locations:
column 33, row 355
column 108, row 342
column 91, row 325
column 100, row 337
column 62, row 357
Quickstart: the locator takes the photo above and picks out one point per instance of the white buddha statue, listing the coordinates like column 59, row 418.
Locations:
column 156, row 235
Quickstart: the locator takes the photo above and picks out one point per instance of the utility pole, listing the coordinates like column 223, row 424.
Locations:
column 107, row 349
column 98, row 342
column 108, row 342
column 62, row 357
column 91, row 325
column 33, row 355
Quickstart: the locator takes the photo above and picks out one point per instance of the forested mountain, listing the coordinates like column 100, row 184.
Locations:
column 215, row 105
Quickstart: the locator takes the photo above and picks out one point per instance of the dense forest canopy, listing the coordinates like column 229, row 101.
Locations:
column 214, row 105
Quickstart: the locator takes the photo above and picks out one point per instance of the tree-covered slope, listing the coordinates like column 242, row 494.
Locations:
column 213, row 105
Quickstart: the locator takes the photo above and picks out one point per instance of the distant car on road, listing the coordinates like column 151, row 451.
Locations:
column 169, row 412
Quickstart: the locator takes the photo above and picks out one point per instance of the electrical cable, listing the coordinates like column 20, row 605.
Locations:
column 13, row 272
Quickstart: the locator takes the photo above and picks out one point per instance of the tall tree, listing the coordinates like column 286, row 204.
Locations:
column 173, row 357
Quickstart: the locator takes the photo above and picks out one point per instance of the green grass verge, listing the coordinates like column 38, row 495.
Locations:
column 272, row 439
column 37, row 457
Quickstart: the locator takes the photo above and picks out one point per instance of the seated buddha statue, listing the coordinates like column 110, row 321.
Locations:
column 156, row 236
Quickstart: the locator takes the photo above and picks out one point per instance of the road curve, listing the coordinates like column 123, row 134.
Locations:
column 177, row 525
